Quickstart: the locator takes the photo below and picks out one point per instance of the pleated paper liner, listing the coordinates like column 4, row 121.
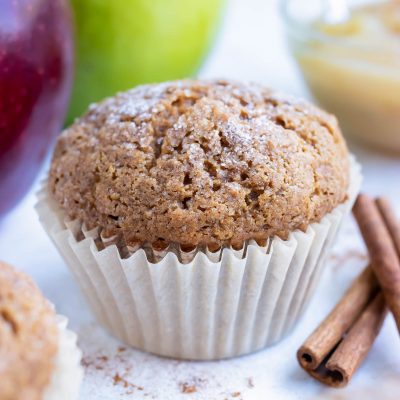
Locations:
column 196, row 304
column 68, row 373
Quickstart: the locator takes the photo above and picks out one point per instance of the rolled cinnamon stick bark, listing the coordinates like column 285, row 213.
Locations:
column 383, row 256
column 391, row 221
column 328, row 334
column 352, row 350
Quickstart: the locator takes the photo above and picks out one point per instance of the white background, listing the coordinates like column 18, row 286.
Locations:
column 250, row 46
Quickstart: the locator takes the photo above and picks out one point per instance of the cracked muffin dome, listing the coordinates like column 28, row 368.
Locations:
column 200, row 163
column 28, row 337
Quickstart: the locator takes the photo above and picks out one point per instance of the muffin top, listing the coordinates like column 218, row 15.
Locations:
column 200, row 163
column 28, row 337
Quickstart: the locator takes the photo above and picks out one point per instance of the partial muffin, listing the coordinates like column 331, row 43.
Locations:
column 200, row 163
column 32, row 339
column 197, row 215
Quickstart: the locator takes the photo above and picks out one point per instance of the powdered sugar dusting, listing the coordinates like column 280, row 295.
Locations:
column 141, row 101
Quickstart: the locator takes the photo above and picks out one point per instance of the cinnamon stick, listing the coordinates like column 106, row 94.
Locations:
column 355, row 346
column 328, row 334
column 336, row 349
column 344, row 358
column 383, row 255
column 391, row 221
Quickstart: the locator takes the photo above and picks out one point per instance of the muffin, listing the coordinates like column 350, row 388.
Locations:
column 40, row 360
column 196, row 215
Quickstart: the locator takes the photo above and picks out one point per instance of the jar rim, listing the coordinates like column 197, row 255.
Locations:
column 304, row 31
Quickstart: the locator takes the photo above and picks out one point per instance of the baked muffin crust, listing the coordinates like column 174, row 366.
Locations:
column 200, row 162
column 28, row 337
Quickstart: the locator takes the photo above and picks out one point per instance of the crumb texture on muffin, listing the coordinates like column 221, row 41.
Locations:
column 200, row 162
column 28, row 337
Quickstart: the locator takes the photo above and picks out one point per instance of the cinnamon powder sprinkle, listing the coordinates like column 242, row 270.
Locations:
column 107, row 365
column 186, row 388
column 122, row 381
column 117, row 370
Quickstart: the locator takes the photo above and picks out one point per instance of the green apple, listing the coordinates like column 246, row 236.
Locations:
column 122, row 43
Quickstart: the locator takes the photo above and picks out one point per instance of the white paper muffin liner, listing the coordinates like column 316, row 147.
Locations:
column 214, row 306
column 68, row 372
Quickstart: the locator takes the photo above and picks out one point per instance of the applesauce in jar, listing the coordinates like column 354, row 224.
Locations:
column 352, row 67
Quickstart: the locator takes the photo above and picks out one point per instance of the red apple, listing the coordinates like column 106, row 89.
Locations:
column 36, row 61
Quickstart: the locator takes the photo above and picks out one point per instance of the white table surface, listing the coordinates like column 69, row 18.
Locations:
column 250, row 46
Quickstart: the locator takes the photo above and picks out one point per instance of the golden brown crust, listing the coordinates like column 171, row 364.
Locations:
column 200, row 162
column 28, row 337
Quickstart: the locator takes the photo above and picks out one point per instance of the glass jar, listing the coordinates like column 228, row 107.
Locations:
column 352, row 64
